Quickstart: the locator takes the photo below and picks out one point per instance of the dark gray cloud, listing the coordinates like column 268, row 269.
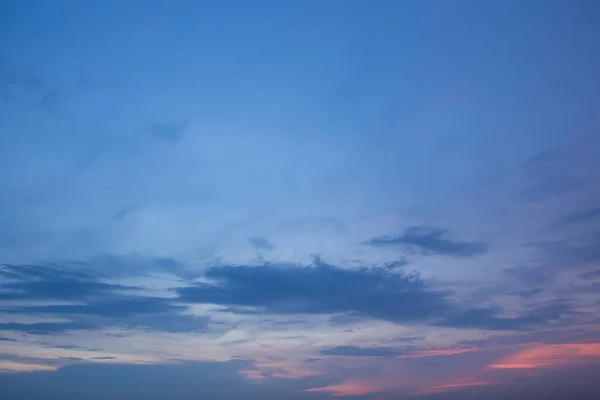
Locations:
column 582, row 216
column 39, row 282
column 431, row 241
column 102, row 303
column 590, row 275
column 137, row 266
column 530, row 275
column 71, row 347
column 47, row 328
column 349, row 294
column 564, row 334
column 580, row 252
column 488, row 318
column 355, row 294
column 346, row 319
column 319, row 289
column 527, row 293
column 406, row 339
column 47, row 272
column 170, row 133
column 57, row 290
column 261, row 243
column 561, row 172
column 166, row 322
column 573, row 252
column 119, row 307
column 99, row 268
column 125, row 211
column 22, row 84
column 354, row 351
column 312, row 360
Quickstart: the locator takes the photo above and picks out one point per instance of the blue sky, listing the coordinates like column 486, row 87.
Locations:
column 301, row 199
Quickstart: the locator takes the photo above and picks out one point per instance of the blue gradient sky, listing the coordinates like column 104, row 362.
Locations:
column 299, row 199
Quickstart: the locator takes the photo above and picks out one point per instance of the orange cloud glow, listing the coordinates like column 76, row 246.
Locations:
column 543, row 356
column 439, row 352
column 364, row 387
column 348, row 388
column 452, row 386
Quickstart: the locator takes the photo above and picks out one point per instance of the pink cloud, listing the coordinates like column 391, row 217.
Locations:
column 549, row 355
column 439, row 352
column 348, row 388
column 469, row 382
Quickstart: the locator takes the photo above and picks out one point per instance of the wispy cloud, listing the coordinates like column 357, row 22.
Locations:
column 580, row 217
column 550, row 356
column 92, row 297
column 431, row 241
column 354, row 351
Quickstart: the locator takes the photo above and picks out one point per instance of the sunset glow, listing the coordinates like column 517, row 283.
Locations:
column 548, row 356
column 451, row 386
column 349, row 388
column 439, row 352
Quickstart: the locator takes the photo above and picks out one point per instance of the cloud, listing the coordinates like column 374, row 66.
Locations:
column 407, row 339
column 98, row 268
column 119, row 307
column 312, row 360
column 29, row 87
column 348, row 388
column 125, row 211
column 71, row 358
column 431, row 241
column 556, row 256
column 38, row 282
column 561, row 172
column 348, row 294
column 352, row 294
column 261, row 243
column 442, row 352
column 531, row 275
column 319, row 289
column 47, row 272
column 99, row 303
column 550, row 355
column 70, row 347
column 590, row 275
column 95, row 381
column 527, row 293
column 488, row 318
column 169, row 133
column 583, row 216
column 354, row 351
column 47, row 328
column 469, row 383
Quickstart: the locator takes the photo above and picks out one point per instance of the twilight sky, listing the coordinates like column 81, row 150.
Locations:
column 306, row 200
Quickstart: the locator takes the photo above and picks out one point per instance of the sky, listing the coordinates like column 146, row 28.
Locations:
column 354, row 199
